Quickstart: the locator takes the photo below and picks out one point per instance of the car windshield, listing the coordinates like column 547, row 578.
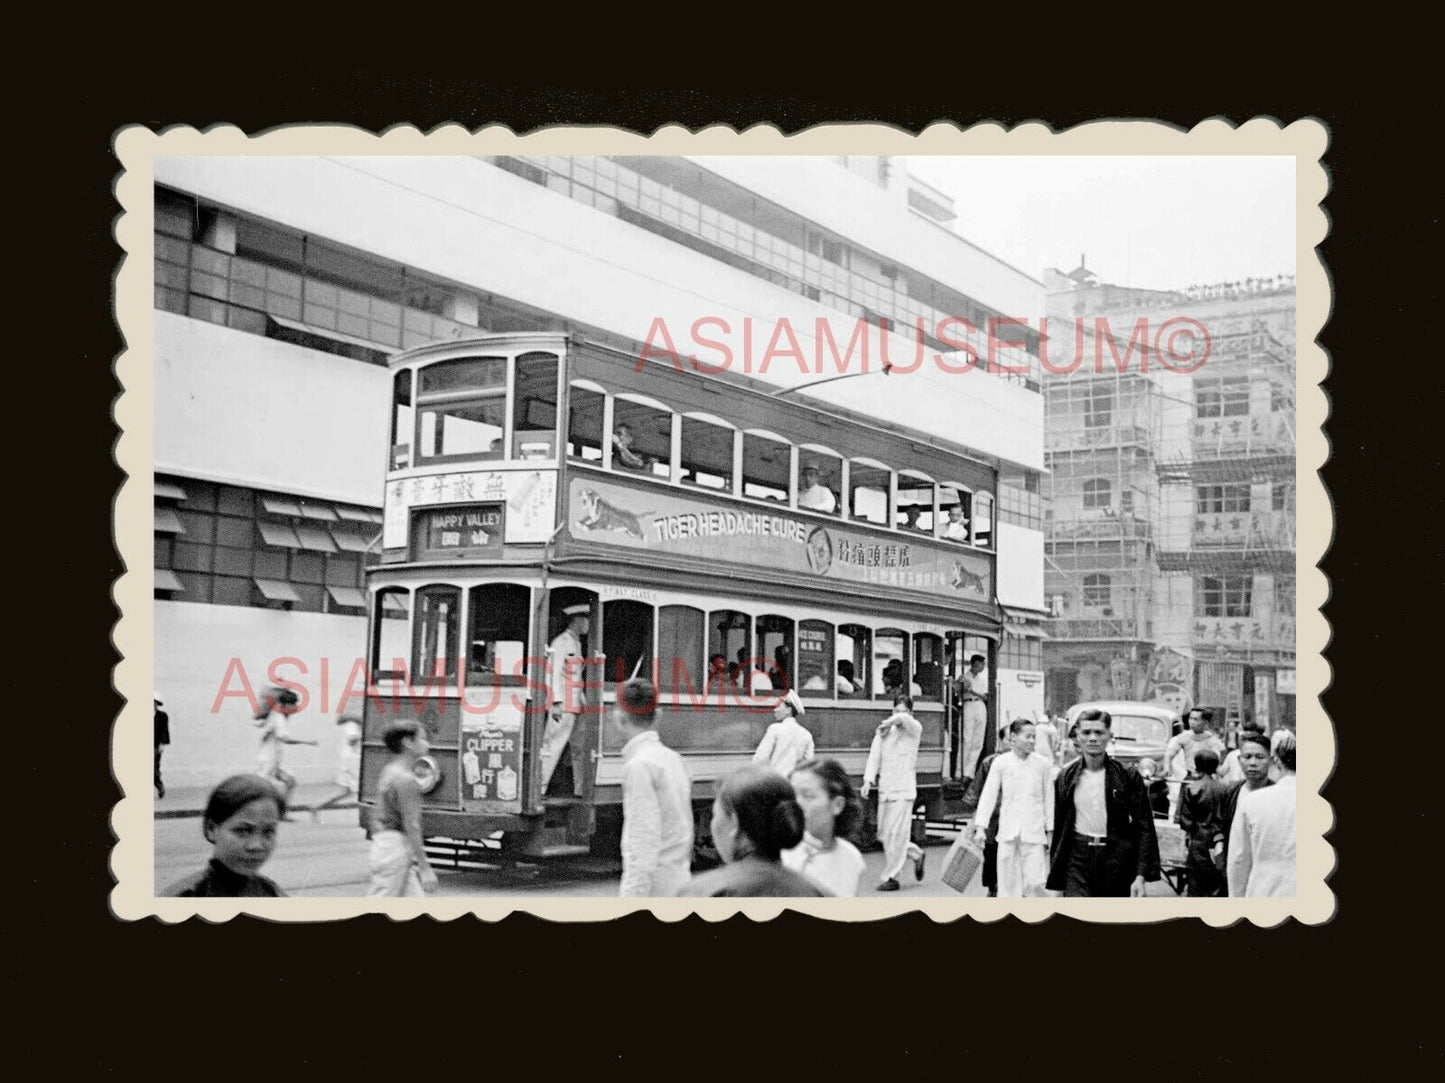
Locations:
column 1133, row 727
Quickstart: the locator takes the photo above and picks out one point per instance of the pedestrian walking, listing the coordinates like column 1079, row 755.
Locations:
column 1254, row 764
column 974, row 685
column 1020, row 786
column 399, row 864
column 1104, row 843
column 1262, row 838
column 563, row 704
column 988, row 875
column 348, row 764
column 755, row 817
column 1200, row 816
column 162, row 738
column 277, row 705
column 1230, row 771
column 831, row 814
column 1180, row 751
column 787, row 741
column 892, row 763
column 1046, row 738
column 656, row 799
column 240, row 824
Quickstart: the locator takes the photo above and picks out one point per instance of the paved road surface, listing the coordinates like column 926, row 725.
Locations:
column 329, row 858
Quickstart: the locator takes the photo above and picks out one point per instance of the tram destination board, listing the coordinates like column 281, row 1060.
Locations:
column 457, row 532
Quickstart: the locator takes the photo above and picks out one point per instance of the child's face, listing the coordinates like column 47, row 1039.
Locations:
column 819, row 809
column 244, row 842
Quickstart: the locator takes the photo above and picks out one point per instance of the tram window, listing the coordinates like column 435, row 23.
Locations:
column 641, row 438
column 854, row 648
column 436, row 649
column 915, row 505
column 775, row 654
column 388, row 634
column 983, row 520
column 955, row 512
column 928, row 665
column 463, row 405
column 890, row 653
column 707, row 454
column 729, row 649
column 766, row 463
column 819, row 481
column 497, row 643
column 626, row 641
column 584, row 424
column 534, row 410
column 815, row 670
column 680, row 648
column 868, row 493
column 403, row 420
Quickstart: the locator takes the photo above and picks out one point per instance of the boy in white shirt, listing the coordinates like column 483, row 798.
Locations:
column 892, row 763
column 1021, row 784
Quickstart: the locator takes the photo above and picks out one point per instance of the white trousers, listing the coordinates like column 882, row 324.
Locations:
column 393, row 867
column 895, row 821
column 554, row 739
column 975, row 721
column 1023, row 868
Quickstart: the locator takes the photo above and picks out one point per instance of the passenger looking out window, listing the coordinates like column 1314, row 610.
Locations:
column 812, row 493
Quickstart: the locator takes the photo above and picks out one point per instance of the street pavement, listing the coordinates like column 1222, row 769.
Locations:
column 327, row 857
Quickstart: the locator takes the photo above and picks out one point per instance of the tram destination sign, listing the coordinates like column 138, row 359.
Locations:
column 660, row 522
column 458, row 532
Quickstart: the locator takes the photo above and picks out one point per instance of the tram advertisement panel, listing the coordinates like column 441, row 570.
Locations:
column 491, row 759
column 763, row 539
column 528, row 496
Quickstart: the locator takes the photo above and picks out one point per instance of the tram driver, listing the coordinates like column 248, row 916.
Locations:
column 564, row 701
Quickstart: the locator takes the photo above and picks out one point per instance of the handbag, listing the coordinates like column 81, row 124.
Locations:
column 962, row 863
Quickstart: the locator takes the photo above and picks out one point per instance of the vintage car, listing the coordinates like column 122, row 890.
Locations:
column 1141, row 730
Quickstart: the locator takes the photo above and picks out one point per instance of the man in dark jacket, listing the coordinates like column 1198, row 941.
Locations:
column 1254, row 756
column 990, row 842
column 1104, row 843
column 163, row 738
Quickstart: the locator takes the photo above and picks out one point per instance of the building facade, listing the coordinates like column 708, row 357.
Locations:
column 1170, row 553
column 283, row 284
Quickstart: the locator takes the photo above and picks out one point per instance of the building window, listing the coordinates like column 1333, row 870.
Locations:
column 1214, row 499
column 1226, row 396
column 1284, row 599
column 1279, row 496
column 1097, row 591
column 1098, row 493
column 1099, row 408
column 1126, row 502
column 1224, row 596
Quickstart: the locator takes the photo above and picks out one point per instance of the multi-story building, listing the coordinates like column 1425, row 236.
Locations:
column 1170, row 495
column 282, row 285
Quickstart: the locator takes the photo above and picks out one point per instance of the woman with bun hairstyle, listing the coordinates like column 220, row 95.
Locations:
column 240, row 824
column 831, row 814
column 755, row 817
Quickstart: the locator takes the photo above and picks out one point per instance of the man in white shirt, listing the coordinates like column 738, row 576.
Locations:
column 656, row 799
column 1046, row 739
column 892, row 763
column 564, row 695
column 787, row 741
column 812, row 494
column 1021, row 784
column 975, row 715
column 1261, row 858
column 957, row 528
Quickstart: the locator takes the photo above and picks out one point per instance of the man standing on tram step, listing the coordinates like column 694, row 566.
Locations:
column 1021, row 786
column 1104, row 842
column 656, row 799
column 563, row 701
column 975, row 715
column 892, row 763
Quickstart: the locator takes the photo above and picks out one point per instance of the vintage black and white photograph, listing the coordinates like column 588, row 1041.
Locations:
column 589, row 520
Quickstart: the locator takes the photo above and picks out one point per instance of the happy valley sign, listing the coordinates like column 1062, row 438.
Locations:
column 660, row 522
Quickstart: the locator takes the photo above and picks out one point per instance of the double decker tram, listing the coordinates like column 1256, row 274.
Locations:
column 727, row 543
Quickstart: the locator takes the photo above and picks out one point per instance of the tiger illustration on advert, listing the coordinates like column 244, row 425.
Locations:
column 595, row 514
column 960, row 578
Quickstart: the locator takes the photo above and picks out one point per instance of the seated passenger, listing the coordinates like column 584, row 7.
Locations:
column 717, row 672
column 893, row 680
column 844, row 683
column 957, row 527
column 622, row 453
column 814, row 495
column 910, row 517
